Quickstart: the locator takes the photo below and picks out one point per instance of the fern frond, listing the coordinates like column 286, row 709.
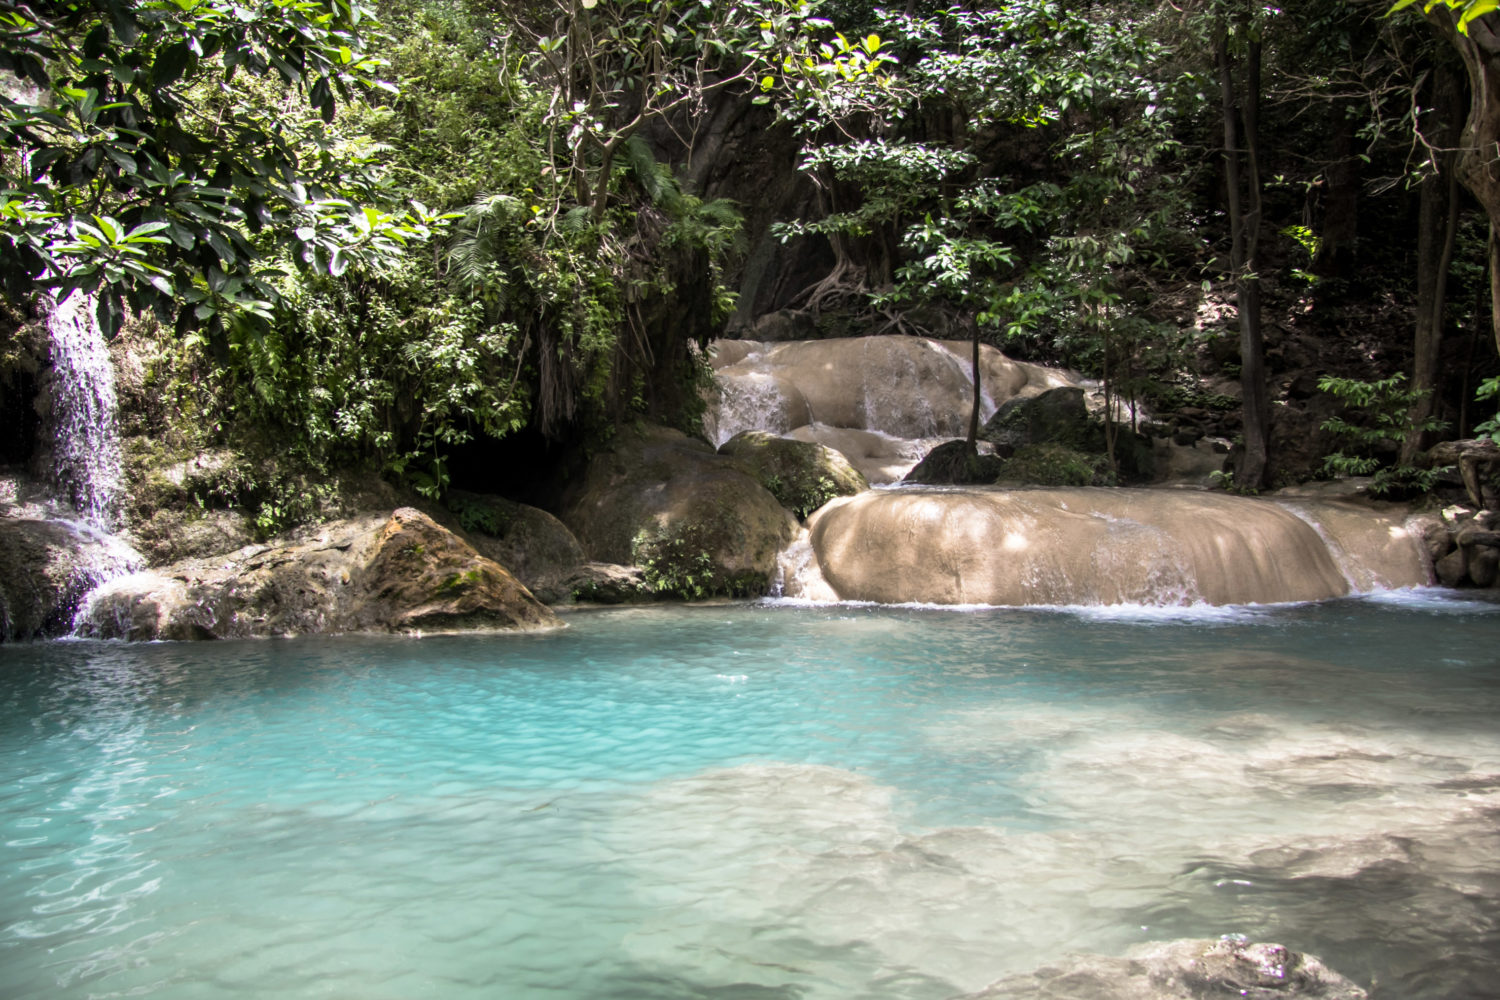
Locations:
column 575, row 220
column 654, row 178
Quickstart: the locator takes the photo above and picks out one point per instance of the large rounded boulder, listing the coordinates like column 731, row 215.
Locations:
column 531, row 543
column 46, row 568
column 802, row 475
column 697, row 522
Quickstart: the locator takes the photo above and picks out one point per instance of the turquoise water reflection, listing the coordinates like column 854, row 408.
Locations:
column 753, row 801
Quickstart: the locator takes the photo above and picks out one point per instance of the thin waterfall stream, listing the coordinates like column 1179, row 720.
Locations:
column 87, row 462
column 87, row 465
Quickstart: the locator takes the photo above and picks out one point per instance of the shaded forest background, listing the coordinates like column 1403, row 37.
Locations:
column 459, row 243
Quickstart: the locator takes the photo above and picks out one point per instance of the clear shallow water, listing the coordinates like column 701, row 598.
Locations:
column 754, row 801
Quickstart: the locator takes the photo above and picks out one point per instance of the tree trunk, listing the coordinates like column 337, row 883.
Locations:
column 1437, row 228
column 1241, row 111
column 1340, row 222
column 1479, row 147
column 973, row 438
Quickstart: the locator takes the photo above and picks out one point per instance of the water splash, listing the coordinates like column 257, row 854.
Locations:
column 87, row 464
column 751, row 402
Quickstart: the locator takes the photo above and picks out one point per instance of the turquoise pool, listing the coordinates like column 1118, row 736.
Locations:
column 754, row 801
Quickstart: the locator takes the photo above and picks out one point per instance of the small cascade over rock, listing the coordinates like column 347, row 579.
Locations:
column 87, row 464
column 1004, row 547
column 883, row 401
column 56, row 550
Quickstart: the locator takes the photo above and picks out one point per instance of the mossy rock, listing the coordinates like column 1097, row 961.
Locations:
column 1059, row 419
column 398, row 571
column 954, row 463
column 1053, row 464
column 802, row 475
column 1058, row 416
column 531, row 543
column 698, row 523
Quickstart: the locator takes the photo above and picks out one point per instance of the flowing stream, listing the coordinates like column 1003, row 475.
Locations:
column 754, row 801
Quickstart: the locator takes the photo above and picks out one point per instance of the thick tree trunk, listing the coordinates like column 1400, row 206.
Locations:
column 1340, row 221
column 1437, row 229
column 1241, row 111
column 1479, row 147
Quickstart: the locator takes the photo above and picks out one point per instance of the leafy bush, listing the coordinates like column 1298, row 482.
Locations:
column 1382, row 420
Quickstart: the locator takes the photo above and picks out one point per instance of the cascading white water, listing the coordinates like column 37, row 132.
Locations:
column 87, row 458
column 884, row 401
column 87, row 464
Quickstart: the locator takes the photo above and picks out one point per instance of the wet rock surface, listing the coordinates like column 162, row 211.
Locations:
column 398, row 572
column 46, row 568
column 1181, row 970
column 954, row 463
column 609, row 583
column 1463, row 546
column 883, row 401
column 977, row 545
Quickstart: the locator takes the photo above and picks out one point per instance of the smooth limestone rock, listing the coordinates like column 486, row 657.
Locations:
column 995, row 546
column 397, row 572
column 697, row 522
column 1181, row 970
column 802, row 475
column 880, row 458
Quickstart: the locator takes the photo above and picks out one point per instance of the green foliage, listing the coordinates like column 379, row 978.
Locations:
column 391, row 365
column 1467, row 10
column 676, row 564
column 1048, row 259
column 671, row 568
column 535, row 311
column 1054, row 464
column 478, row 516
column 1489, row 389
column 1382, row 420
column 166, row 153
column 802, row 494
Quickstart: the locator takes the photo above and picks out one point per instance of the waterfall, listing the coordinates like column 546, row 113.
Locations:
column 884, row 401
column 86, row 462
column 87, row 459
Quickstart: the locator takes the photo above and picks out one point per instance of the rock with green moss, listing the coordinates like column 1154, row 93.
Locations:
column 531, row 543
column 1054, row 436
column 954, row 463
column 696, row 522
column 397, row 572
column 1054, row 464
column 1058, row 416
column 802, row 475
